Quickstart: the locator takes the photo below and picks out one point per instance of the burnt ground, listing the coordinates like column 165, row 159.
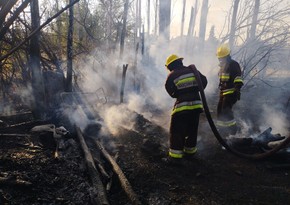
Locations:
column 29, row 173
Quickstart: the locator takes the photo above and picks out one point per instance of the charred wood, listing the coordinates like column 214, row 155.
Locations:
column 123, row 83
column 123, row 180
column 279, row 167
column 10, row 181
column 102, row 169
column 99, row 191
column 14, row 135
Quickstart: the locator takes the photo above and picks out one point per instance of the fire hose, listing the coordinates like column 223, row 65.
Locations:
column 219, row 137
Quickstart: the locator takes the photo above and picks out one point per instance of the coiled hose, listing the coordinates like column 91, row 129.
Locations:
column 221, row 140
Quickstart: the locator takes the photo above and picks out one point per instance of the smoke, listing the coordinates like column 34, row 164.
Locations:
column 118, row 117
column 76, row 115
column 103, row 70
column 262, row 107
column 150, row 99
column 20, row 96
column 276, row 119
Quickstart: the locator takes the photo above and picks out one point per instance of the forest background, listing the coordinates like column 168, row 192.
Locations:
column 91, row 46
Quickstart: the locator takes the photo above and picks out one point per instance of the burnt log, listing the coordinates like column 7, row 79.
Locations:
column 123, row 180
column 99, row 191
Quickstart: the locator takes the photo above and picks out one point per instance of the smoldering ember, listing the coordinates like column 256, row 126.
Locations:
column 151, row 102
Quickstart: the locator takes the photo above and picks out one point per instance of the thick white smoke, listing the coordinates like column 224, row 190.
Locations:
column 103, row 70
column 152, row 100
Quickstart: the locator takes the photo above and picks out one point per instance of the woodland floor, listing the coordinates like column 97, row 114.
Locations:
column 214, row 176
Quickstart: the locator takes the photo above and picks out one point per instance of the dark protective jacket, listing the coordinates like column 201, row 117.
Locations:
column 230, row 78
column 182, row 85
column 230, row 85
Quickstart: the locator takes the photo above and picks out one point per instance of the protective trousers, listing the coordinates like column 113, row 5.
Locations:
column 183, row 131
column 226, row 122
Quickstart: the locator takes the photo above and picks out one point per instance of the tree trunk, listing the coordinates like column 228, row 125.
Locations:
column 155, row 17
column 233, row 23
column 109, row 26
column 255, row 20
column 124, row 29
column 203, row 21
column 164, row 18
column 148, row 17
column 58, row 39
column 136, row 23
column 59, row 28
column 123, row 83
column 182, row 19
column 5, row 9
column 70, row 49
column 9, row 22
column 38, row 107
column 140, row 17
column 190, row 26
column 6, row 55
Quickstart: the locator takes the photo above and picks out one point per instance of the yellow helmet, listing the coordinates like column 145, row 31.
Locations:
column 171, row 59
column 223, row 51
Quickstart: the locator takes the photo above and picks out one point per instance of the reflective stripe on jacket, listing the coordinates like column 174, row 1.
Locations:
column 228, row 91
column 185, row 81
column 230, row 78
column 181, row 84
column 188, row 105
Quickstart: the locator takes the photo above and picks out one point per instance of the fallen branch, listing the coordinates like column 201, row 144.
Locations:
column 279, row 167
column 14, row 135
column 97, row 159
column 22, row 123
column 10, row 181
column 123, row 180
column 98, row 188
column 37, row 30
column 102, row 169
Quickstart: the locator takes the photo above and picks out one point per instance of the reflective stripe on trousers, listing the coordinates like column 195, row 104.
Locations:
column 190, row 150
column 226, row 124
column 175, row 153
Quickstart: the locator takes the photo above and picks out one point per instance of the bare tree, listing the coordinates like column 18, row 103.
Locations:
column 8, row 23
column 267, row 42
column 261, row 33
column 5, row 9
column 191, row 23
column 255, row 20
column 165, row 18
column 37, row 80
column 70, row 50
column 156, row 17
column 203, row 20
column 182, row 19
column 148, row 16
column 233, row 23
column 122, row 41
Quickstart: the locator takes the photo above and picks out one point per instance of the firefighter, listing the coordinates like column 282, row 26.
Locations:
column 182, row 85
column 230, row 83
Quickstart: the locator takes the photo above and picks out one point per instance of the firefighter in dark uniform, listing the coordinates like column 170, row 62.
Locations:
column 182, row 85
column 230, row 83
